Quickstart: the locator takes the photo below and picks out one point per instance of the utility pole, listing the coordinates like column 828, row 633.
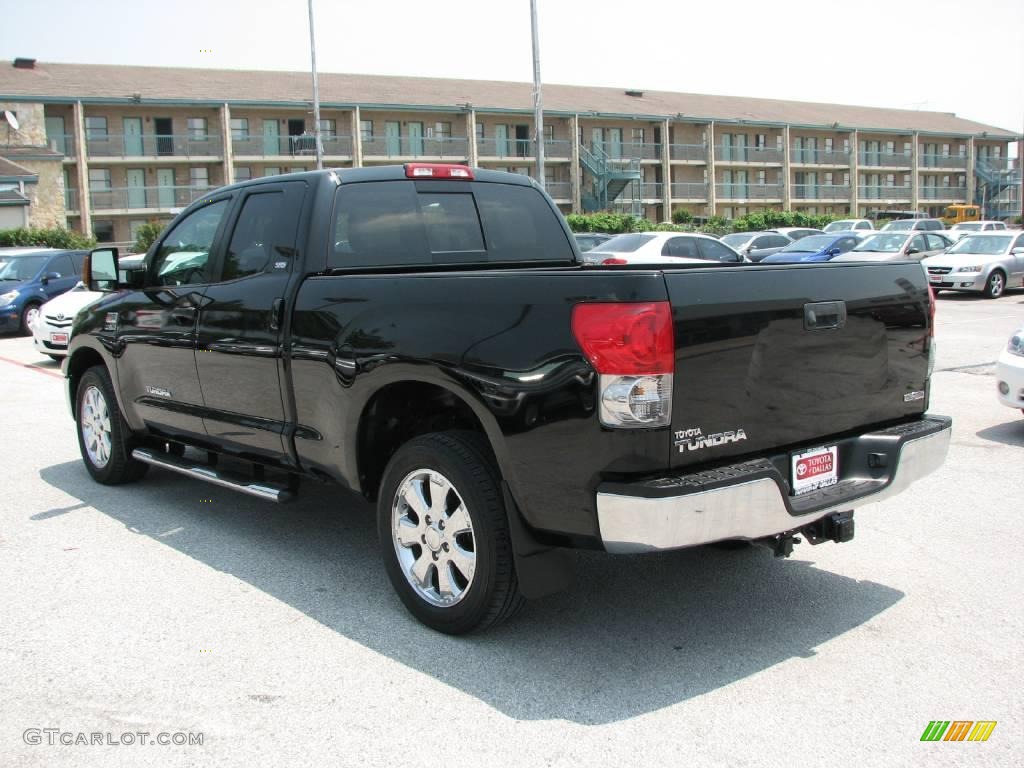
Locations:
column 316, row 93
column 538, row 106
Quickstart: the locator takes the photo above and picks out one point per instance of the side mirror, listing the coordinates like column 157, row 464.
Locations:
column 100, row 269
column 1018, row 251
column 911, row 251
column 50, row 276
column 834, row 251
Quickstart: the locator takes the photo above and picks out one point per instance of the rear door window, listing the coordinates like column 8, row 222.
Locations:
column 267, row 223
column 681, row 246
column 520, row 225
column 712, row 250
column 63, row 265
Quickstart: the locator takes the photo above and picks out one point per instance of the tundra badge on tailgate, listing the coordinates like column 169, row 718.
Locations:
column 695, row 439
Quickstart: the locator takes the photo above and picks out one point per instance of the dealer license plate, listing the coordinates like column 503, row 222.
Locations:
column 815, row 469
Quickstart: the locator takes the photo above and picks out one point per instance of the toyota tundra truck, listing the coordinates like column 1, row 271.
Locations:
column 428, row 336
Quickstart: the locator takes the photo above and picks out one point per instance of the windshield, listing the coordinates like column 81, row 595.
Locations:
column 882, row 243
column 903, row 225
column 624, row 243
column 809, row 244
column 736, row 239
column 987, row 245
column 969, row 227
column 21, row 267
column 837, row 226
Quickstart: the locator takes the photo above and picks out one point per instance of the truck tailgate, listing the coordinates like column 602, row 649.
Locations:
column 769, row 357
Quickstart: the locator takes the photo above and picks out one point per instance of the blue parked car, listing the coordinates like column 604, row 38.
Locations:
column 815, row 248
column 30, row 277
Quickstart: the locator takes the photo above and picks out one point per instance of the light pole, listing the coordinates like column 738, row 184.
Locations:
column 316, row 93
column 538, row 107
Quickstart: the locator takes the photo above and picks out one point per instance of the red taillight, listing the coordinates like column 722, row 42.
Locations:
column 614, row 260
column 625, row 339
column 438, row 171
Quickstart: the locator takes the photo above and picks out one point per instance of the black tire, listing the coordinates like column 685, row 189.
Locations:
column 56, row 358
column 995, row 285
column 465, row 460
column 119, row 467
column 23, row 324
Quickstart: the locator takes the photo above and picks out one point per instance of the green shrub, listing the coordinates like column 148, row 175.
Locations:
column 48, row 238
column 147, row 234
column 681, row 216
column 606, row 221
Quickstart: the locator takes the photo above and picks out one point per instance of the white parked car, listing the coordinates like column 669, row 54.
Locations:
column 968, row 227
column 51, row 328
column 661, row 248
column 859, row 225
column 985, row 262
column 914, row 225
column 1010, row 372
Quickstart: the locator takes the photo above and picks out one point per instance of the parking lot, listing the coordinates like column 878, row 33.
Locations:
column 175, row 606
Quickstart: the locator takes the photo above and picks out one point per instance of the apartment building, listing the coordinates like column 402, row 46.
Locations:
column 134, row 144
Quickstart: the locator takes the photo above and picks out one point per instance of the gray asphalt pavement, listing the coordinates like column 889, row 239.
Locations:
column 175, row 607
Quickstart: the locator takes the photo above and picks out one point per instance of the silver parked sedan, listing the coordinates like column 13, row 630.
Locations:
column 985, row 262
column 897, row 246
column 754, row 246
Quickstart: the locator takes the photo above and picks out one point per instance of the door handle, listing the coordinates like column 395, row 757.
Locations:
column 277, row 314
column 824, row 315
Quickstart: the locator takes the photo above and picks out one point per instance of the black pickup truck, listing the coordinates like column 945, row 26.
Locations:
column 427, row 335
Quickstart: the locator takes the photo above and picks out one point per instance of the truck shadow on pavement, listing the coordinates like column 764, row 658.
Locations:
column 1010, row 433
column 634, row 634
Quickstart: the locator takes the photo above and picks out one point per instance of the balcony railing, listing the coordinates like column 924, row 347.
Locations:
column 803, row 156
column 942, row 193
column 627, row 150
column 413, row 146
column 63, row 143
column 732, row 154
column 282, row 146
column 553, row 148
column 741, row 191
column 691, row 152
column 884, row 193
column 152, row 198
column 885, row 159
column 941, row 161
column 70, row 199
column 821, row 191
column 559, row 190
column 995, row 163
column 650, row 190
column 114, row 145
column 689, row 190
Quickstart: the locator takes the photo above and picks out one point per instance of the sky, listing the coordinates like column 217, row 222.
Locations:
column 962, row 56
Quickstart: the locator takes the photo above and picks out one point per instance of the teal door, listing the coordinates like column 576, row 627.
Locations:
column 615, row 143
column 136, row 188
column 501, row 148
column 271, row 136
column 55, row 135
column 165, row 187
column 597, row 140
column 392, row 138
column 741, row 185
column 740, row 147
column 415, row 139
column 132, row 136
column 726, row 146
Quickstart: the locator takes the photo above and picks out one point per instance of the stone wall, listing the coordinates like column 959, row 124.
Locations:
column 31, row 125
column 47, row 196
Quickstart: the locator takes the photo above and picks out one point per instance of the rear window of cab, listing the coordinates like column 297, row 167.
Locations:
column 410, row 223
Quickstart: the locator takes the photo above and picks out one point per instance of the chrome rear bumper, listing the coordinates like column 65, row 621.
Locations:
column 752, row 501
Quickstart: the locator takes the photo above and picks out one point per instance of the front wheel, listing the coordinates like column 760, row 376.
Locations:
column 29, row 315
column 444, row 533
column 995, row 285
column 103, row 435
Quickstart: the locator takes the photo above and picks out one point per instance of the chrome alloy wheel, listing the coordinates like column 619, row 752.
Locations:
column 996, row 284
column 433, row 537
column 31, row 316
column 94, row 422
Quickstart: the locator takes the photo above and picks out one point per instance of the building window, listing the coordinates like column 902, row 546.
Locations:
column 906, row 148
column 296, row 170
column 96, row 127
column 199, row 177
column 549, row 133
column 945, row 150
column 829, row 143
column 99, row 180
column 890, row 179
column 846, row 145
column 479, row 130
column 328, row 128
column 440, row 130
column 271, row 170
column 760, row 140
column 366, row 129
column 638, row 134
column 243, row 173
column 239, row 128
column 197, row 128
column 103, row 231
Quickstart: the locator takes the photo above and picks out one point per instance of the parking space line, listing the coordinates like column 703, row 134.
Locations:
column 31, row 367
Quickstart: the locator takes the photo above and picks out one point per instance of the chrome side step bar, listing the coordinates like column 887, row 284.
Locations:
column 225, row 479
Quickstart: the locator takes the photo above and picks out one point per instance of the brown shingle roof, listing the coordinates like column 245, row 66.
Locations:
column 102, row 82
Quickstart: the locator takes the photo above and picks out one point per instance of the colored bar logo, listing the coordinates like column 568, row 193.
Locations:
column 958, row 730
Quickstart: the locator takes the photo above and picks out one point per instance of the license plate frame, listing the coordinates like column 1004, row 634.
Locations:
column 59, row 338
column 813, row 469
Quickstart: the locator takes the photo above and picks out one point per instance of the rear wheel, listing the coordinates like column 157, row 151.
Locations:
column 29, row 315
column 995, row 285
column 103, row 436
column 444, row 534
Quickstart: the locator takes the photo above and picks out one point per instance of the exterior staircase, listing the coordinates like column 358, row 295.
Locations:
column 992, row 182
column 610, row 177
